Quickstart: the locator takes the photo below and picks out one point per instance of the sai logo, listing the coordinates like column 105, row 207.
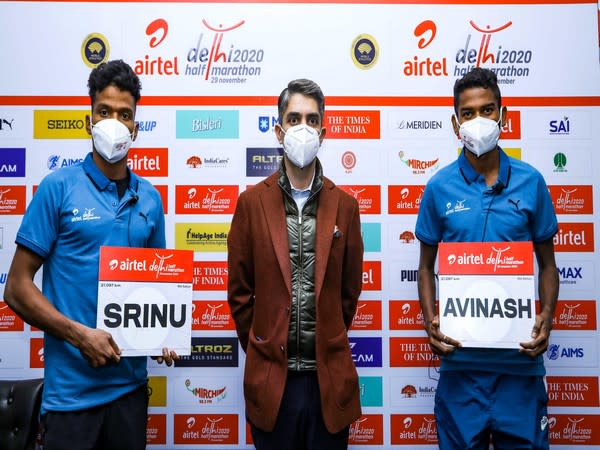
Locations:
column 94, row 50
column 364, row 51
column 560, row 127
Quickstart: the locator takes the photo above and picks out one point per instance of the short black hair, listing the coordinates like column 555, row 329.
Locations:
column 302, row 86
column 478, row 77
column 117, row 73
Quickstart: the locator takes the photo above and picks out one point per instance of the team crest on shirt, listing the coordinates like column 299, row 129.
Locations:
column 88, row 214
column 456, row 207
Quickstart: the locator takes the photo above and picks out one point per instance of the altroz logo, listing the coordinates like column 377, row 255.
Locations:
column 12, row 162
column 261, row 162
column 366, row 351
column 211, row 352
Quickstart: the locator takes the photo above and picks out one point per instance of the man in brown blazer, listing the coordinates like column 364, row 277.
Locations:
column 295, row 273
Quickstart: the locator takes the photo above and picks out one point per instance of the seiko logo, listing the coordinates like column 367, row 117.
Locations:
column 65, row 124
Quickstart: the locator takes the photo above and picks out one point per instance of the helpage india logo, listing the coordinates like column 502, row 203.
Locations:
column 484, row 47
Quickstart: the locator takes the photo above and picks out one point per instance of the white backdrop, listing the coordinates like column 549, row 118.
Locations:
column 211, row 73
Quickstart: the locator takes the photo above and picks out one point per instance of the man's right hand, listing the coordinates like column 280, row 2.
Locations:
column 97, row 347
column 439, row 343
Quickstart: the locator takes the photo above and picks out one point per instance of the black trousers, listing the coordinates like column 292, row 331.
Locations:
column 299, row 424
column 118, row 425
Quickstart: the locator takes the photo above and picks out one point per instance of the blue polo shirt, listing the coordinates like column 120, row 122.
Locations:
column 458, row 206
column 74, row 211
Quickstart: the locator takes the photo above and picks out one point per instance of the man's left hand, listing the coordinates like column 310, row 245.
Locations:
column 540, row 334
column 168, row 356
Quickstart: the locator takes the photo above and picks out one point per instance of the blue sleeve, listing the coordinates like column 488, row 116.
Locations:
column 157, row 236
column 41, row 222
column 428, row 229
column 544, row 224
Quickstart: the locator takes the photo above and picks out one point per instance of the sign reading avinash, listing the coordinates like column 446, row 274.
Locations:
column 487, row 293
column 145, row 299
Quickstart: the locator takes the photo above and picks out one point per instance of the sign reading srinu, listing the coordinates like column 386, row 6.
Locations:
column 487, row 293
column 145, row 299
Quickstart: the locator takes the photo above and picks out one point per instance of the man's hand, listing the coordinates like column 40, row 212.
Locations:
column 540, row 334
column 168, row 356
column 97, row 347
column 440, row 343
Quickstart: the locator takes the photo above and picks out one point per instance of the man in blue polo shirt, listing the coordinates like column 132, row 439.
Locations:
column 92, row 397
column 488, row 196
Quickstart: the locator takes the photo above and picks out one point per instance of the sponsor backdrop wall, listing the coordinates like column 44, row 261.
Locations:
column 211, row 74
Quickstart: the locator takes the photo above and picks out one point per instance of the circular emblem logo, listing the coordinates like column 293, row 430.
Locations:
column 94, row 50
column 349, row 160
column 560, row 160
column 364, row 51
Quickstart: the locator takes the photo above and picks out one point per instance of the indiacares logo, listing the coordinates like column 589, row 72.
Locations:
column 425, row 66
column 508, row 64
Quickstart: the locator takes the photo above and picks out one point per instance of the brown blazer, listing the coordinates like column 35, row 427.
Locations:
column 259, row 295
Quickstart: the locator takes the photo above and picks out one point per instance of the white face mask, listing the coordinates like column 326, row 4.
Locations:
column 480, row 135
column 112, row 139
column 301, row 144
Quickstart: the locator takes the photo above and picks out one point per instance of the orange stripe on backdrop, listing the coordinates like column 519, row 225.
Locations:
column 150, row 100
column 357, row 2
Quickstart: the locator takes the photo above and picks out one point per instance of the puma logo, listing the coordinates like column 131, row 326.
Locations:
column 516, row 203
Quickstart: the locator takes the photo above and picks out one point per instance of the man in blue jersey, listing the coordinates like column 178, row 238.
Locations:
column 93, row 398
column 483, row 392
